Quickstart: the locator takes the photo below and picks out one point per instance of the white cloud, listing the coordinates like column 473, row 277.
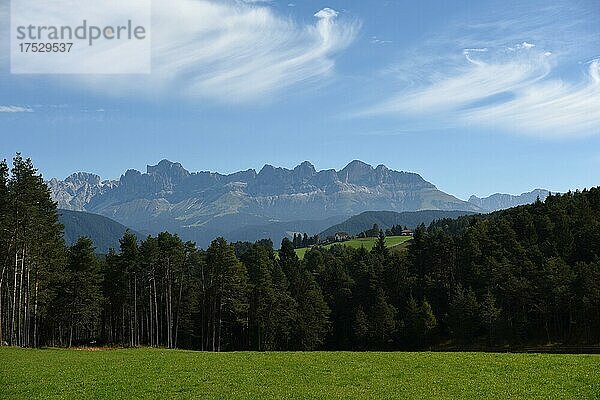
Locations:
column 231, row 52
column 473, row 81
column 526, row 45
column 550, row 108
column 326, row 13
column 500, row 81
column 15, row 109
column 535, row 103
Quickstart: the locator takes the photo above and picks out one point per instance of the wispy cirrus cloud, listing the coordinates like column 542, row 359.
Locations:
column 232, row 51
column 549, row 108
column 15, row 109
column 509, row 75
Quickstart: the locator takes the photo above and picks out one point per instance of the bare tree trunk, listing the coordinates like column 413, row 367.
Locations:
column 214, row 330
column 1, row 302
column 220, row 324
column 135, row 317
column 178, row 311
column 14, row 302
column 19, row 315
column 26, row 313
column 169, row 307
column 150, row 324
column 35, row 310
column 156, row 312
column 123, row 325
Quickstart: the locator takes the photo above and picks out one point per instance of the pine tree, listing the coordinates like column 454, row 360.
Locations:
column 82, row 293
column 360, row 328
column 463, row 318
column 4, row 239
column 226, row 295
column 36, row 255
column 382, row 320
column 312, row 318
column 380, row 247
column 489, row 314
column 261, row 297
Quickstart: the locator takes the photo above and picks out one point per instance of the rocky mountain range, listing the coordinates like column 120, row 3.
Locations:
column 501, row 201
column 202, row 205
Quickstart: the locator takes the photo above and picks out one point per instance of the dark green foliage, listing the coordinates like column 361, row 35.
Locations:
column 312, row 317
column 527, row 275
column 387, row 219
column 82, row 295
column 33, row 256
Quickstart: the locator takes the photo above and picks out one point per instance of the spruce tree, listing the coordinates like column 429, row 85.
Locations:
column 82, row 293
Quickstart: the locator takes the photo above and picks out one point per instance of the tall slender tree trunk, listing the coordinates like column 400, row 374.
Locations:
column 220, row 325
column 35, row 312
column 135, row 317
column 123, row 325
column 26, row 312
column 155, row 312
column 19, row 314
column 178, row 310
column 1, row 303
column 170, row 307
column 14, row 301
column 214, row 328
column 150, row 324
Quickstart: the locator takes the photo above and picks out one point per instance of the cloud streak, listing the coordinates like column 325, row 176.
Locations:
column 515, row 86
column 233, row 52
column 550, row 108
column 15, row 109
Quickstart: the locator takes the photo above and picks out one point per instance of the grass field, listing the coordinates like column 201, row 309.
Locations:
column 367, row 243
column 151, row 373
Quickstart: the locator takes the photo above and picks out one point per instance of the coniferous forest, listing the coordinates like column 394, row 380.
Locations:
column 524, row 276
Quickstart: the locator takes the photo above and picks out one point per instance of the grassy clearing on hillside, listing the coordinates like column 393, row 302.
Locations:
column 153, row 373
column 367, row 243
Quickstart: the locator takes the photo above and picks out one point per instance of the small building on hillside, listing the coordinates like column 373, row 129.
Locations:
column 341, row 236
column 407, row 232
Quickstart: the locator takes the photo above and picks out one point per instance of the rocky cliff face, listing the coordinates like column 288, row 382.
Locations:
column 202, row 205
column 78, row 189
column 501, row 201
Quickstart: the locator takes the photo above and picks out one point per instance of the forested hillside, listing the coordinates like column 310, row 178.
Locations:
column 104, row 232
column 386, row 219
column 524, row 276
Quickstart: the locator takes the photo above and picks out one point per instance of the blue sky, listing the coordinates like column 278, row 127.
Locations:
column 478, row 97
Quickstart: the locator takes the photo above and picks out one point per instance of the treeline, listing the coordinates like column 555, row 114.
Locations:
column 303, row 240
column 529, row 275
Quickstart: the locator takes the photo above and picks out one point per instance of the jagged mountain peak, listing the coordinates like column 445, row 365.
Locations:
column 83, row 177
column 499, row 201
column 166, row 167
column 357, row 165
column 356, row 172
column 202, row 205
column 305, row 166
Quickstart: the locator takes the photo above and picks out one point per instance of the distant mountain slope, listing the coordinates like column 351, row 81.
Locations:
column 387, row 219
column 500, row 201
column 104, row 232
column 202, row 205
column 276, row 231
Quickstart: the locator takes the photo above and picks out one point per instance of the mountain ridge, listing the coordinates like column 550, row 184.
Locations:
column 501, row 201
column 202, row 205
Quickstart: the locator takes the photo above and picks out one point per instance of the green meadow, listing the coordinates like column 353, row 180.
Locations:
column 367, row 243
column 154, row 373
